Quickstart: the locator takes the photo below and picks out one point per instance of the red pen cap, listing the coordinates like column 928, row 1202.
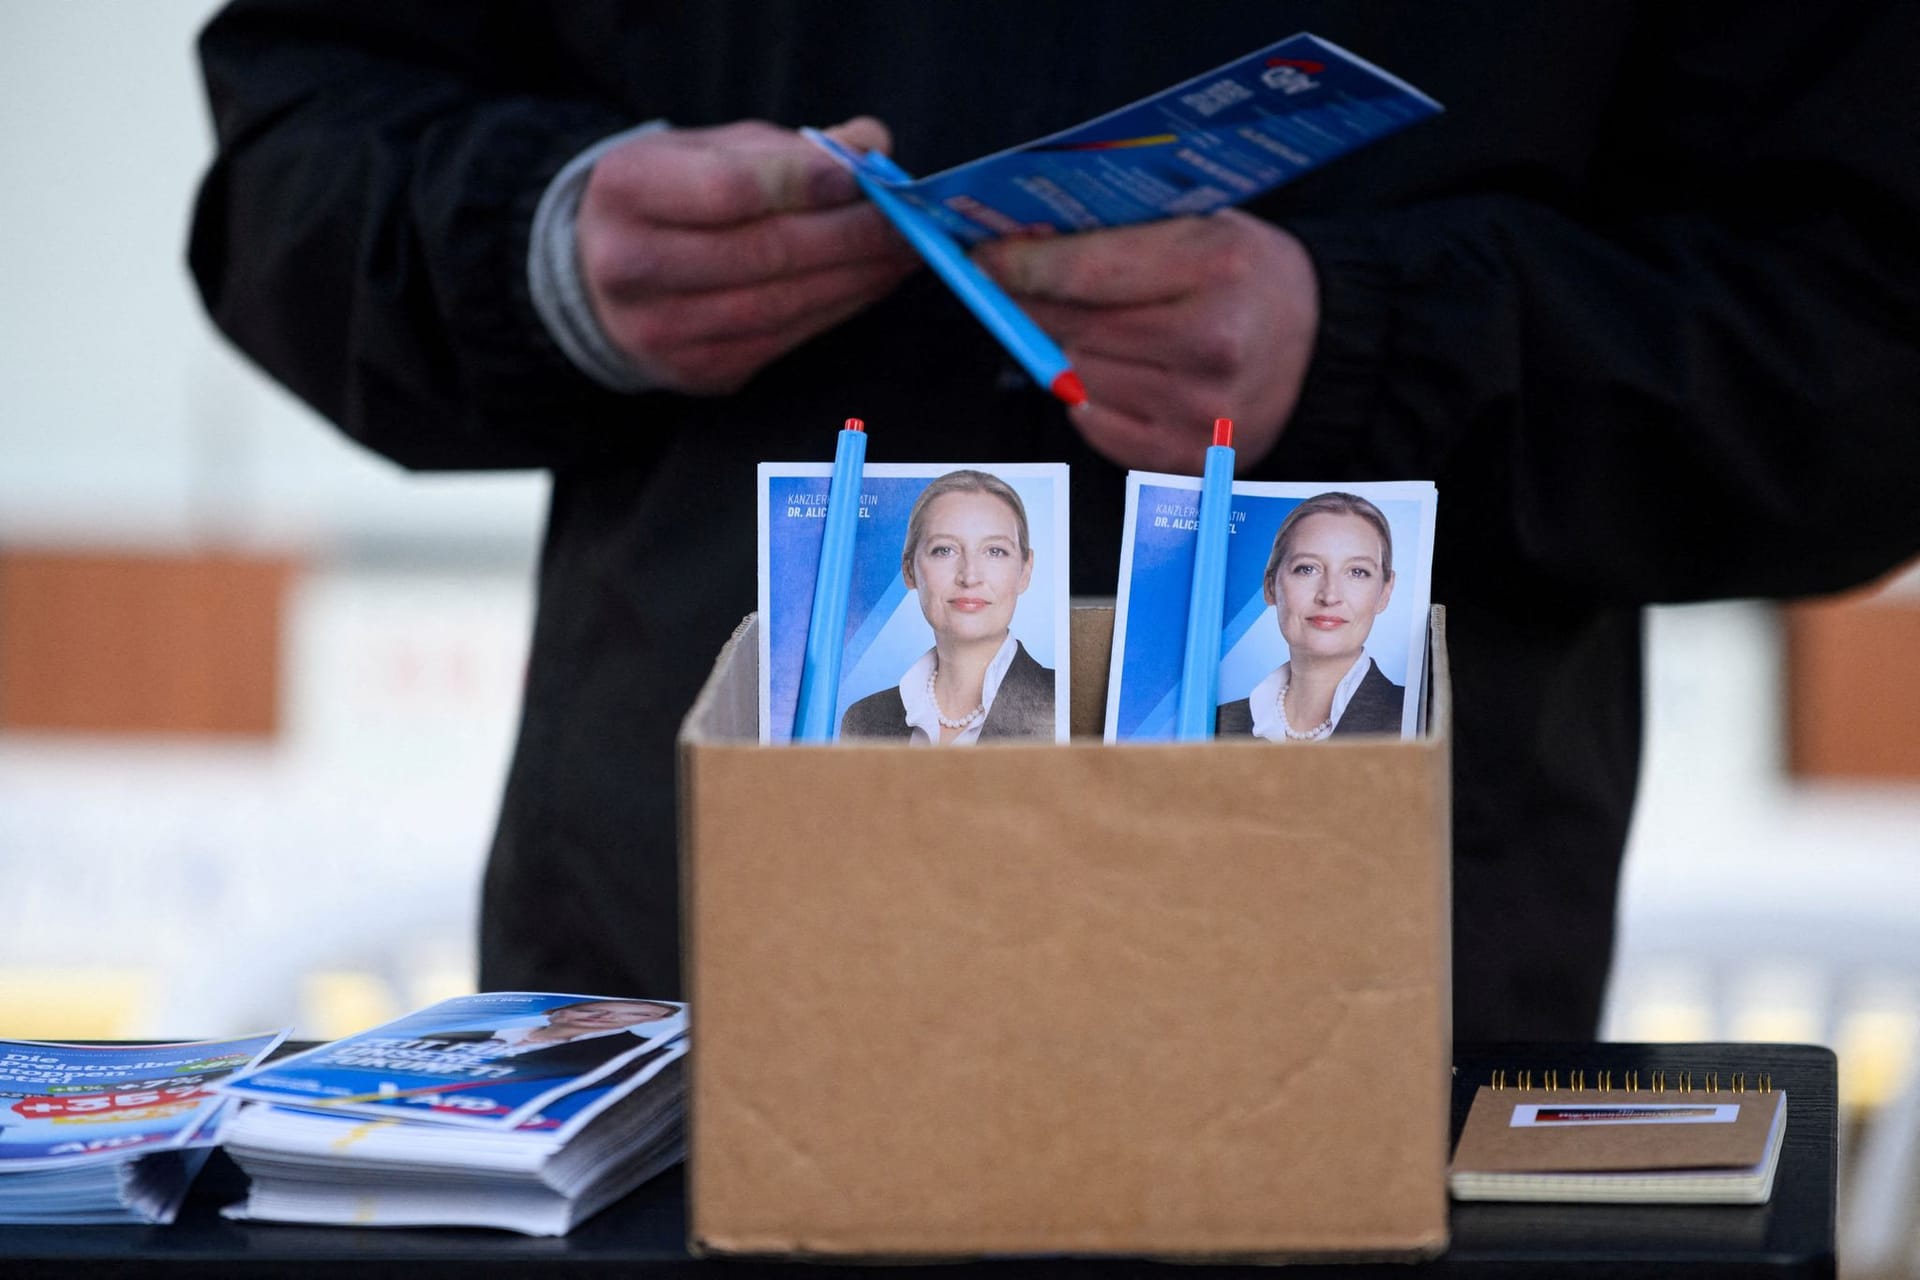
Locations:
column 1069, row 390
column 854, row 424
column 1223, row 432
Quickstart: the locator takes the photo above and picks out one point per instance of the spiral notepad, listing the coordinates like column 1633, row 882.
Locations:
column 1681, row 1137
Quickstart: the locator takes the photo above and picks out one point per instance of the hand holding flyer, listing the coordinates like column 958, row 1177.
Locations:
column 1219, row 139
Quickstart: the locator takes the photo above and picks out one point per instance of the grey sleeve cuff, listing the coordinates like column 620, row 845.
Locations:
column 553, row 274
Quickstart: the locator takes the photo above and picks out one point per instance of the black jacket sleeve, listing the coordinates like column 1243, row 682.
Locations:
column 376, row 164
column 1700, row 376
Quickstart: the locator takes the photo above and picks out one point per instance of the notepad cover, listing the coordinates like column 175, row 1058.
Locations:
column 1619, row 1145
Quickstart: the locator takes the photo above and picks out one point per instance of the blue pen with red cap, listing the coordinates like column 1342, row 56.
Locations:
column 1024, row 340
column 1197, row 708
column 816, row 719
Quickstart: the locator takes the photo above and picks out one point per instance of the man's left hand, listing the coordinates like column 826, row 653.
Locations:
column 1171, row 325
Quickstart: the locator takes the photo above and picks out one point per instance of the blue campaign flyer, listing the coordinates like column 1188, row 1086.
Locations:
column 568, row 1114
column 492, row 1060
column 892, row 626
column 1156, row 578
column 69, row 1104
column 306, row 1129
column 1219, row 139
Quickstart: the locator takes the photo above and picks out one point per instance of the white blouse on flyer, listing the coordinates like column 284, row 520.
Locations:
column 923, row 715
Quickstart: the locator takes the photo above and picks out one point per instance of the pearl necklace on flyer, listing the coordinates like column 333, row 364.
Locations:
column 1314, row 734
column 972, row 717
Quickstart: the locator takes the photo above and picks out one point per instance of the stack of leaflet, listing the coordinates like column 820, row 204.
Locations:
column 110, row 1133
column 527, row 1111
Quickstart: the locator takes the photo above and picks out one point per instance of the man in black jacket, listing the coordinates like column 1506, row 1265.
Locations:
column 1642, row 303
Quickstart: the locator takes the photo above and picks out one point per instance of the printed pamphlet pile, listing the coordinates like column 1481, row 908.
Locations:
column 110, row 1133
column 527, row 1111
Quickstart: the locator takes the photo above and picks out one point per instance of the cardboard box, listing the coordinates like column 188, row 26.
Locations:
column 1181, row 1000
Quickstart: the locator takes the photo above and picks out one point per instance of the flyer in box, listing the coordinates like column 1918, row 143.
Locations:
column 1346, row 583
column 984, row 583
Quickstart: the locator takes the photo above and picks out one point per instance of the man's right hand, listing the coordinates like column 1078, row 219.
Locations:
column 707, row 253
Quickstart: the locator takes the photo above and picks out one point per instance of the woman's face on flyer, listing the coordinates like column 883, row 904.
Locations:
column 968, row 569
column 1330, row 586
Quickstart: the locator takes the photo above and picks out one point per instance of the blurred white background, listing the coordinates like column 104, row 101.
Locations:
column 325, row 875
column 185, row 885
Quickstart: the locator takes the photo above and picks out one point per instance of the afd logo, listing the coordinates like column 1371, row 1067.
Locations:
column 1291, row 75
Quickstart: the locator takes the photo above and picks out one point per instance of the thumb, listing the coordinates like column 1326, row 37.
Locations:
column 863, row 133
column 808, row 178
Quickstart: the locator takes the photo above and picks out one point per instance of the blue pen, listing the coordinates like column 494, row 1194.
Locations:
column 817, row 718
column 1206, row 607
column 1022, row 338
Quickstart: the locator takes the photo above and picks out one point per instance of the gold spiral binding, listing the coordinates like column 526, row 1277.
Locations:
column 1657, row 1081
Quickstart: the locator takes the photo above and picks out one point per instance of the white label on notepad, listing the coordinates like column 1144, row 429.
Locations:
column 1569, row 1115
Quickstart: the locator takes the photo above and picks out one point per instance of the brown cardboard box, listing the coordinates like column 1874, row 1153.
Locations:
column 1177, row 1000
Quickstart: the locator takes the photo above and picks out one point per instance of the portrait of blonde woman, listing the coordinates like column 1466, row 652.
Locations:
column 1329, row 575
column 968, row 557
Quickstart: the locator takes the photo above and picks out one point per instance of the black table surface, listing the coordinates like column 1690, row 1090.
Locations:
column 645, row 1234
